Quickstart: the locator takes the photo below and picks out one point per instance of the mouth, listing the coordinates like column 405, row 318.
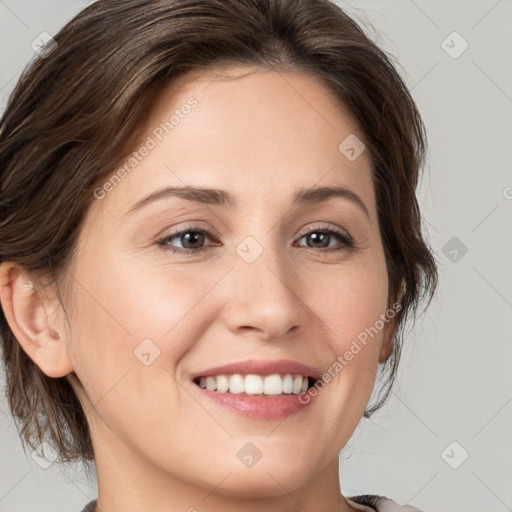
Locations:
column 254, row 385
column 259, row 389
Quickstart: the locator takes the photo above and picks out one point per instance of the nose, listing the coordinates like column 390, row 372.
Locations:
column 261, row 298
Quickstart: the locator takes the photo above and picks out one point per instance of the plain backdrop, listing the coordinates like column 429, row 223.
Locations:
column 443, row 442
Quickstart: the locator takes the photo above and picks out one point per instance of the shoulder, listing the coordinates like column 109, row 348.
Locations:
column 90, row 506
column 380, row 503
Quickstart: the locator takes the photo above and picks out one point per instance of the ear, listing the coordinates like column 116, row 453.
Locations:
column 386, row 348
column 27, row 311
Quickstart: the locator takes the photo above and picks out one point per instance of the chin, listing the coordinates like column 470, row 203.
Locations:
column 260, row 485
column 269, row 479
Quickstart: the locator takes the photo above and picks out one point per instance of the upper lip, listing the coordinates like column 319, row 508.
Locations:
column 260, row 367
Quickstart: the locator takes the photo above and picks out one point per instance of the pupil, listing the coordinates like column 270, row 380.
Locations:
column 323, row 237
column 194, row 237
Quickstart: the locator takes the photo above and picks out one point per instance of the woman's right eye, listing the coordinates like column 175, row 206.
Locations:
column 199, row 235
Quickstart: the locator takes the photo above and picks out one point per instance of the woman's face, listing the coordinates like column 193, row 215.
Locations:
column 268, row 285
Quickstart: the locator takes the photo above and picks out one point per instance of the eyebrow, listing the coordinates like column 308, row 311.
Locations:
column 217, row 197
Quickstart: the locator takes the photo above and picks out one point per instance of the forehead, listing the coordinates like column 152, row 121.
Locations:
column 228, row 98
column 248, row 130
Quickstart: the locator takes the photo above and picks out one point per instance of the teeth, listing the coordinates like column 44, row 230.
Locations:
column 288, row 383
column 211, row 383
column 236, row 384
column 221, row 383
column 252, row 384
column 297, row 384
column 273, row 385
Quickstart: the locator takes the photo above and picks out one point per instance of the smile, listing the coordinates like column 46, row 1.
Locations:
column 252, row 384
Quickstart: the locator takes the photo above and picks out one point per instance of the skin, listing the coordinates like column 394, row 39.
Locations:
column 160, row 445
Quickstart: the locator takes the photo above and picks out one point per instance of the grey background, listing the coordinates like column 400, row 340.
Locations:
column 454, row 383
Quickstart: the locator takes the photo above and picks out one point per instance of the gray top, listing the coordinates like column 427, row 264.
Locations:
column 90, row 506
column 364, row 502
column 372, row 502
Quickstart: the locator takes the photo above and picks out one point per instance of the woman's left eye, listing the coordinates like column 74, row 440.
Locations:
column 191, row 237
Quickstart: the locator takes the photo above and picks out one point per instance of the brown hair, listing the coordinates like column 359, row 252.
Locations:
column 74, row 112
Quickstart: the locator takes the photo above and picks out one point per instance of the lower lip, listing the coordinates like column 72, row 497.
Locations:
column 279, row 406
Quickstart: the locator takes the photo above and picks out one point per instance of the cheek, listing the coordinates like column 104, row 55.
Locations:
column 117, row 315
column 349, row 301
column 352, row 310
column 130, row 318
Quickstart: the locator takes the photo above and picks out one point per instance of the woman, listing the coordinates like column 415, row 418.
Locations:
column 210, row 244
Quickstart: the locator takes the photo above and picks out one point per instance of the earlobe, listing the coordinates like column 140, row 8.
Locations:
column 26, row 311
column 386, row 348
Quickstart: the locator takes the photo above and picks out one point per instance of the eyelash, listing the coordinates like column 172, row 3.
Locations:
column 347, row 242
